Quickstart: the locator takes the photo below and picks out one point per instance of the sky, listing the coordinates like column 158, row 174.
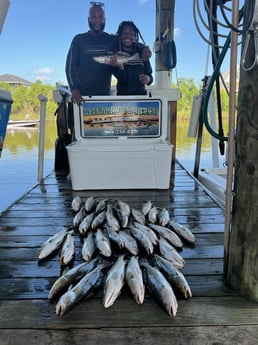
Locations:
column 37, row 34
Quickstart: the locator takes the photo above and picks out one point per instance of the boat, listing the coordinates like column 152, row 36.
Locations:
column 22, row 123
column 214, row 181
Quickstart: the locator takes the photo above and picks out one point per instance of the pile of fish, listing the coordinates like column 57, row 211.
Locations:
column 120, row 246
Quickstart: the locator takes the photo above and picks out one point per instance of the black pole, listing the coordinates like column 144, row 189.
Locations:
column 215, row 56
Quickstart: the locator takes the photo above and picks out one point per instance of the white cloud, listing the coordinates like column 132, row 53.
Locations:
column 44, row 71
column 177, row 32
column 142, row 2
column 43, row 78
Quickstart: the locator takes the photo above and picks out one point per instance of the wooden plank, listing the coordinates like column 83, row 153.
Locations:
column 24, row 254
column 35, row 237
column 68, row 213
column 38, row 287
column 44, row 228
column 198, row 311
column 52, row 219
column 51, row 268
column 228, row 335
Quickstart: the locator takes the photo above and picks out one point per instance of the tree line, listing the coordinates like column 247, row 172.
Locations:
column 26, row 103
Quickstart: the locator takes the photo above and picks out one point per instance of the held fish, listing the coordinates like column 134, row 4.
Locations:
column 134, row 279
column 160, row 288
column 122, row 58
column 114, row 282
column 182, row 231
column 52, row 244
column 173, row 275
column 81, row 290
column 71, row 276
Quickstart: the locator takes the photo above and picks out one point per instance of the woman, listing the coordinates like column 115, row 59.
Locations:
column 133, row 75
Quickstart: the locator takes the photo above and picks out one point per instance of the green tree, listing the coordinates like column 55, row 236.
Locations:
column 26, row 103
column 188, row 90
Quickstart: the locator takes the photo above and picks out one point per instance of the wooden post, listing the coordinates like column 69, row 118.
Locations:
column 242, row 273
column 164, row 34
column 163, row 75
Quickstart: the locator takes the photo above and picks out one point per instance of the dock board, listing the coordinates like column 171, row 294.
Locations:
column 214, row 315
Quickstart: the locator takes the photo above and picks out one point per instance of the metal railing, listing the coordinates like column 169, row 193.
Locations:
column 42, row 121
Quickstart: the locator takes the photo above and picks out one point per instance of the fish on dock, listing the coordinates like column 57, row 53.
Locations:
column 103, row 243
column 114, row 281
column 170, row 253
column 90, row 203
column 160, row 288
column 134, row 279
column 173, row 275
column 67, row 249
column 163, row 217
column 88, row 246
column 142, row 239
column 168, row 234
column 53, row 243
column 71, row 276
column 76, row 203
column 81, row 290
column 182, row 231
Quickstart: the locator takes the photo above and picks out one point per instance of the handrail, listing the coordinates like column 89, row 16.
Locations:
column 43, row 102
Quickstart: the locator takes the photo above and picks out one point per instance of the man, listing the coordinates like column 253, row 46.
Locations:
column 85, row 76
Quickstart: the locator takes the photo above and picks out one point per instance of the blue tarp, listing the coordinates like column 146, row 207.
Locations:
column 5, row 109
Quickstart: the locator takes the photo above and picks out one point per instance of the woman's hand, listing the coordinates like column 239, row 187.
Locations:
column 144, row 79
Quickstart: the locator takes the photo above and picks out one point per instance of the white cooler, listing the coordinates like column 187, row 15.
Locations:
column 110, row 160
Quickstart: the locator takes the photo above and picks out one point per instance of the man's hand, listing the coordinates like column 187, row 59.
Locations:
column 146, row 53
column 114, row 62
column 76, row 97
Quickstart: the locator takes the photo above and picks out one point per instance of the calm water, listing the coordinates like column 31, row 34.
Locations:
column 19, row 160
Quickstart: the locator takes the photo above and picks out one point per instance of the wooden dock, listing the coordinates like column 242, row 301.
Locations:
column 214, row 315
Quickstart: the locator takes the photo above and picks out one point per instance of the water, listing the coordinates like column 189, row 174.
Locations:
column 19, row 160
column 19, row 163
